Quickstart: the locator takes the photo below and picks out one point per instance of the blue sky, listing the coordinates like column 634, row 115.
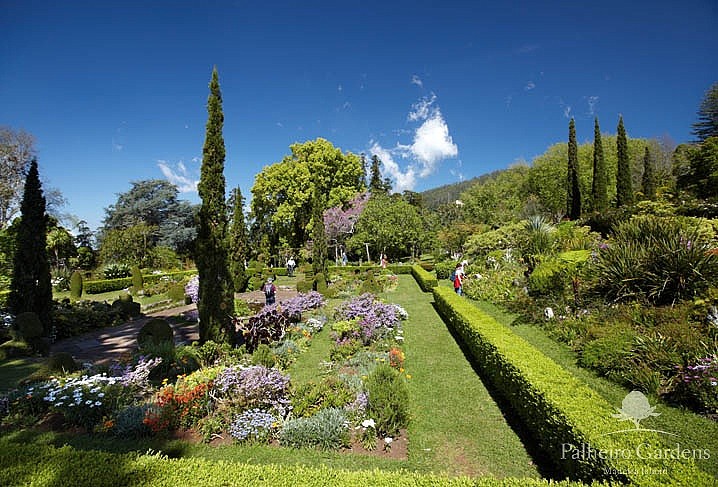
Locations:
column 117, row 92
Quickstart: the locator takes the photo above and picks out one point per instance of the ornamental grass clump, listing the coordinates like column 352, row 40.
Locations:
column 328, row 430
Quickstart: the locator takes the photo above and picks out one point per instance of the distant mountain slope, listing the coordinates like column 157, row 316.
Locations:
column 450, row 192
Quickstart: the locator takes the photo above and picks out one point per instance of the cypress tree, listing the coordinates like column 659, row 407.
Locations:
column 238, row 243
column 573, row 201
column 376, row 184
column 30, row 288
column 648, row 183
column 624, row 185
column 599, row 188
column 216, row 299
column 319, row 237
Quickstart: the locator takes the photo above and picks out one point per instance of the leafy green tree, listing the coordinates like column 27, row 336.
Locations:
column 132, row 245
column 216, row 299
column 238, row 245
column 154, row 202
column 494, row 200
column 319, row 236
column 282, row 193
column 16, row 150
column 389, row 225
column 599, row 184
column 703, row 179
column 60, row 244
column 624, row 180
column 707, row 124
column 648, row 181
column 573, row 202
column 30, row 288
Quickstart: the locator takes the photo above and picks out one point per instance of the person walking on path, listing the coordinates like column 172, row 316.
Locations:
column 270, row 291
column 458, row 279
column 290, row 266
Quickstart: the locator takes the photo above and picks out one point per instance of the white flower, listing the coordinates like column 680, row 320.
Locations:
column 102, row 394
column 399, row 338
column 98, row 403
column 368, row 423
column 388, row 440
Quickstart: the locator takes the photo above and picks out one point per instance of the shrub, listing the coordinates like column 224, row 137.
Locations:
column 130, row 422
column 176, row 292
column 444, row 269
column 107, row 285
column 137, row 282
column 62, row 362
column 662, row 260
column 14, row 349
column 254, row 425
column 328, row 429
column 263, row 355
column 388, row 400
column 425, row 280
column 76, row 285
column 126, row 307
column 155, row 331
column 116, row 271
column 311, row 397
column 304, row 286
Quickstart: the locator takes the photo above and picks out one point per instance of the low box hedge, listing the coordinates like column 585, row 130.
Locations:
column 572, row 424
column 424, row 278
column 22, row 464
column 108, row 285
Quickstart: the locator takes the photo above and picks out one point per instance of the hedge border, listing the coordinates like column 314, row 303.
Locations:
column 34, row 464
column 108, row 285
column 559, row 409
column 424, row 278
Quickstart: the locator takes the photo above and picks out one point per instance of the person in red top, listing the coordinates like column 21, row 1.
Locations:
column 458, row 279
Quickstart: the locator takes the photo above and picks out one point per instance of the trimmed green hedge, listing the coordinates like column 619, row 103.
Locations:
column 394, row 268
column 107, row 285
column 3, row 298
column 571, row 422
column 424, row 278
column 45, row 465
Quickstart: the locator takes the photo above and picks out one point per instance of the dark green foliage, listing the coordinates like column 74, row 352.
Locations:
column 72, row 319
column 62, row 362
column 376, row 183
column 263, row 355
column 707, row 124
column 661, row 260
column 116, row 271
column 176, row 292
column 264, row 327
column 369, row 284
column 215, row 284
column 238, row 246
column 444, row 269
column 309, row 398
column 703, row 176
column 624, row 183
column 126, row 307
column 319, row 237
column 648, row 181
column 304, row 286
column 28, row 325
column 30, row 288
column 320, row 284
column 425, row 280
column 137, row 282
column 14, row 349
column 573, row 203
column 76, row 285
column 607, row 353
column 388, row 400
column 599, row 184
column 155, row 331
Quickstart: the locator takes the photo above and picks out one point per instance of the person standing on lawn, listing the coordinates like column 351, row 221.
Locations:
column 270, row 292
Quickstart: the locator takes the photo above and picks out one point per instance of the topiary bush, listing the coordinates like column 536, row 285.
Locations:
column 62, row 362
column 28, row 325
column 176, row 292
column 155, row 331
column 126, row 307
column 138, row 282
column 76, row 285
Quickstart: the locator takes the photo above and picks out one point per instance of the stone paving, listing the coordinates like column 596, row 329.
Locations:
column 112, row 343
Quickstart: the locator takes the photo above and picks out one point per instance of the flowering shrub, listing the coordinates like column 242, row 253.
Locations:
column 83, row 401
column 178, row 407
column 293, row 308
column 254, row 387
column 191, row 289
column 700, row 383
column 396, row 358
column 265, row 327
column 137, row 375
column 253, row 425
column 376, row 319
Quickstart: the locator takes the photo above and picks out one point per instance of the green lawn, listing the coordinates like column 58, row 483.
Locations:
column 14, row 370
column 694, row 431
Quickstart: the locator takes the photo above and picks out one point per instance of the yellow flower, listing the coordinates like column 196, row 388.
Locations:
column 408, row 376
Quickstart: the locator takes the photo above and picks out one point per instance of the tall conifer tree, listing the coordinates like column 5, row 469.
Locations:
column 624, row 185
column 238, row 242
column 216, row 299
column 30, row 288
column 573, row 202
column 599, row 185
column 376, row 184
column 648, row 182
column 707, row 124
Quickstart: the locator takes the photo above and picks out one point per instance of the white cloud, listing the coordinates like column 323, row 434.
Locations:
column 592, row 102
column 529, row 86
column 431, row 144
column 340, row 88
column 509, row 99
column 415, row 80
column 422, row 109
column 179, row 177
column 279, row 124
column 567, row 111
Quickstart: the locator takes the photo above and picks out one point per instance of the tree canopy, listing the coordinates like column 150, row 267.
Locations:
column 707, row 124
column 16, row 150
column 282, row 192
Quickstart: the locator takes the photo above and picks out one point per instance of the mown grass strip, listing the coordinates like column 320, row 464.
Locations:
column 456, row 426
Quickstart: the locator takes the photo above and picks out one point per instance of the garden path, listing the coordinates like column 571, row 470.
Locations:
column 109, row 344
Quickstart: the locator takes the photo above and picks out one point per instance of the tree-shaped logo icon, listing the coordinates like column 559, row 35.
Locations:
column 635, row 408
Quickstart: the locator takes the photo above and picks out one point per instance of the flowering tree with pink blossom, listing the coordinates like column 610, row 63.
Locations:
column 339, row 221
